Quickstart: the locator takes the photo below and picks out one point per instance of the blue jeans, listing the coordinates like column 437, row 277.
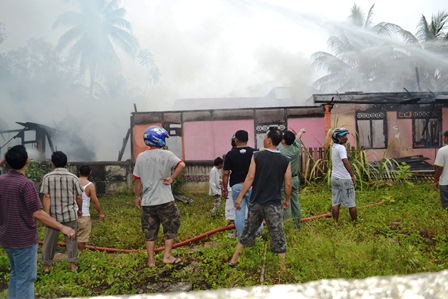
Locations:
column 240, row 215
column 23, row 263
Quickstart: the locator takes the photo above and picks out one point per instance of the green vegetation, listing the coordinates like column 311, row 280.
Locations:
column 406, row 234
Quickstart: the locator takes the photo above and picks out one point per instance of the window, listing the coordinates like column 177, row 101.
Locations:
column 426, row 128
column 371, row 129
column 426, row 125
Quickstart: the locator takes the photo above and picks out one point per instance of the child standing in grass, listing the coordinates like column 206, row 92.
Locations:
column 215, row 184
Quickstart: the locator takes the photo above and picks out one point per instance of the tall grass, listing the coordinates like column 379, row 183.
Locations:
column 405, row 234
column 368, row 174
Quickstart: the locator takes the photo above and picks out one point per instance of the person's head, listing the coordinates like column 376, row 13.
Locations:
column 84, row 170
column 59, row 159
column 241, row 137
column 445, row 137
column 155, row 136
column 218, row 162
column 289, row 137
column 232, row 141
column 16, row 157
column 339, row 135
column 273, row 137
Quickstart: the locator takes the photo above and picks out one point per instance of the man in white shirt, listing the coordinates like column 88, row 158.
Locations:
column 441, row 172
column 343, row 180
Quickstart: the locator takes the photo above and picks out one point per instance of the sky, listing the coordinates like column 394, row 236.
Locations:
column 211, row 48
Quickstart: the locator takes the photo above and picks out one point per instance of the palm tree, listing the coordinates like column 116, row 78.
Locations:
column 360, row 55
column 93, row 33
column 433, row 38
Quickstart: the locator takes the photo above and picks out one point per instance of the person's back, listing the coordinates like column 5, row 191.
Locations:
column 236, row 166
column 20, row 206
column 18, row 194
column 154, row 171
column 339, row 153
column 238, row 161
column 268, row 181
column 63, row 201
column 292, row 148
column 342, row 178
column 268, row 171
column 63, row 189
column 151, row 166
column 215, row 184
column 88, row 196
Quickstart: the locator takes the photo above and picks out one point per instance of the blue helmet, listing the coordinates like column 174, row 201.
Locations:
column 338, row 132
column 155, row 136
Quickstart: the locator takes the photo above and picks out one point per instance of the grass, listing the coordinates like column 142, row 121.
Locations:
column 404, row 235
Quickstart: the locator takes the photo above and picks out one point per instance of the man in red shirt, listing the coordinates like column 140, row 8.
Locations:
column 20, row 206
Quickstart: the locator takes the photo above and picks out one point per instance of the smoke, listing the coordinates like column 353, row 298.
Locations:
column 203, row 49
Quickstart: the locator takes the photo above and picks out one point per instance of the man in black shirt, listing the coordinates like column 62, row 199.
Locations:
column 268, row 171
column 236, row 165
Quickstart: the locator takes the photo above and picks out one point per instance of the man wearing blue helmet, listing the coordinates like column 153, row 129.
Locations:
column 154, row 172
column 343, row 180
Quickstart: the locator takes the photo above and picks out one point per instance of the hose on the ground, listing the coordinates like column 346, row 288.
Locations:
column 201, row 236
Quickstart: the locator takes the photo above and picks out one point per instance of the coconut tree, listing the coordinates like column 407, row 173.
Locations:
column 94, row 32
column 433, row 37
column 360, row 54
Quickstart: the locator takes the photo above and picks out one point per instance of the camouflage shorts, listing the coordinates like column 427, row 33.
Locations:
column 273, row 214
column 166, row 214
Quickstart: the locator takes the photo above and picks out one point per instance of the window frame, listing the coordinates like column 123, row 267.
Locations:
column 370, row 116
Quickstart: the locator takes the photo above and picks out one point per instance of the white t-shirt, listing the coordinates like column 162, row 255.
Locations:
column 215, row 182
column 442, row 161
column 151, row 166
column 338, row 153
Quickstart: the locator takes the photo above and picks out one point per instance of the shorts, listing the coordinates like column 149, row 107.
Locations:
column 273, row 214
column 166, row 214
column 342, row 193
column 84, row 229
column 444, row 196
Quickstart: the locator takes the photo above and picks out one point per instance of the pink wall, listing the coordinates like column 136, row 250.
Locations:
column 315, row 130
column 206, row 140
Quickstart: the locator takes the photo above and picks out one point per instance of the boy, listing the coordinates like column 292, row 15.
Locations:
column 88, row 194
column 215, row 184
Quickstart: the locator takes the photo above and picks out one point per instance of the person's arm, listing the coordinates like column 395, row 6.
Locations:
column 349, row 169
column 300, row 133
column 247, row 183
column 47, row 203
column 225, row 182
column 96, row 202
column 177, row 171
column 79, row 203
column 437, row 173
column 3, row 161
column 47, row 220
column 288, row 187
column 138, row 193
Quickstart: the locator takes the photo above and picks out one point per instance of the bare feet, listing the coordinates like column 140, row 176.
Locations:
column 74, row 267
column 151, row 264
column 46, row 269
column 172, row 260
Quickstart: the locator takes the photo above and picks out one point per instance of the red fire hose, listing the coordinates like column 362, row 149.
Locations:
column 197, row 238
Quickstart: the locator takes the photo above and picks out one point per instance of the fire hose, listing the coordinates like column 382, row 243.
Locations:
column 201, row 236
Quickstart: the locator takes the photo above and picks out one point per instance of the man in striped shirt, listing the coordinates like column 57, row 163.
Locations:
column 63, row 201
column 20, row 206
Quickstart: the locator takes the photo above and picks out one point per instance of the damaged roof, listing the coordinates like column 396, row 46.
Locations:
column 358, row 97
